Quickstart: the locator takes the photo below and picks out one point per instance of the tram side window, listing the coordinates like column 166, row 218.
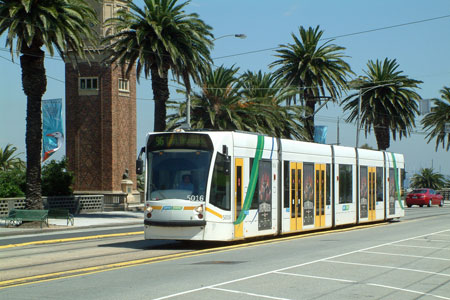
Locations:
column 255, row 194
column 380, row 184
column 328, row 191
column 286, row 184
column 402, row 181
column 345, row 184
column 221, row 183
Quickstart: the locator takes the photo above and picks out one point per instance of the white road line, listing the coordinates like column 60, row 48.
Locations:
column 407, row 290
column 421, row 247
column 317, row 277
column 387, row 267
column 365, row 283
column 433, row 240
column 292, row 267
column 249, row 294
column 406, row 255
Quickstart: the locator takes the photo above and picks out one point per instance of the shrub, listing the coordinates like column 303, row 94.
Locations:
column 12, row 183
column 56, row 179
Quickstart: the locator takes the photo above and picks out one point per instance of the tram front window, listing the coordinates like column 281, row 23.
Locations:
column 178, row 174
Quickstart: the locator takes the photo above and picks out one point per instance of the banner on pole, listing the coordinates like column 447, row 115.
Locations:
column 53, row 135
column 320, row 134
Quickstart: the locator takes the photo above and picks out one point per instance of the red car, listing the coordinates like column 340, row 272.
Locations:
column 423, row 197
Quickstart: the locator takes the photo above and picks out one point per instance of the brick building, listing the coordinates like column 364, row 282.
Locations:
column 100, row 119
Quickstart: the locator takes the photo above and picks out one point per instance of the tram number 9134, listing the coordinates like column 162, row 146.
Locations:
column 199, row 198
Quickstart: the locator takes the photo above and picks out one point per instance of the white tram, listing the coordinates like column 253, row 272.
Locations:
column 225, row 186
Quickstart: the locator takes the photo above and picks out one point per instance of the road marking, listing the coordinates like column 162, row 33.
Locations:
column 288, row 268
column 366, row 283
column 109, row 267
column 422, row 247
column 387, row 267
column 249, row 294
column 407, row 290
column 83, row 238
column 406, row 255
column 317, row 277
column 434, row 240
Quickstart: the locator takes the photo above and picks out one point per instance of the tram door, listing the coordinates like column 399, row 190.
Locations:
column 239, row 191
column 372, row 193
column 320, row 194
column 296, row 195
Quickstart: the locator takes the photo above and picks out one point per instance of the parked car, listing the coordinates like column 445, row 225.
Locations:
column 423, row 197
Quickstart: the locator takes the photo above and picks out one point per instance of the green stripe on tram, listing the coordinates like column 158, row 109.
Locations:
column 397, row 182
column 253, row 180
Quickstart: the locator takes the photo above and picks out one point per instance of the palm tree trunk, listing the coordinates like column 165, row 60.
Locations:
column 34, row 83
column 160, row 86
column 309, row 122
column 382, row 135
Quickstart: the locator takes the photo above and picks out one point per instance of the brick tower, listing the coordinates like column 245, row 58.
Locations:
column 100, row 119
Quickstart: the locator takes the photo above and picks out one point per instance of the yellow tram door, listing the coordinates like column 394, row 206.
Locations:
column 372, row 193
column 238, row 196
column 296, row 195
column 320, row 193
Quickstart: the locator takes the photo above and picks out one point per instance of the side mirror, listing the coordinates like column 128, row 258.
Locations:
column 139, row 166
column 140, row 162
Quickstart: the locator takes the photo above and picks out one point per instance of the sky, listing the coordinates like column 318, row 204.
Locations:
column 421, row 47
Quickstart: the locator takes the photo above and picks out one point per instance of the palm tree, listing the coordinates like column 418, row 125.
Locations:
column 217, row 106
column 427, row 178
column 315, row 69
column 160, row 37
column 32, row 24
column 434, row 122
column 388, row 101
column 250, row 102
column 264, row 94
column 9, row 160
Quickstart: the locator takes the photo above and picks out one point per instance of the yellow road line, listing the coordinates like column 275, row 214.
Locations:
column 114, row 266
column 83, row 238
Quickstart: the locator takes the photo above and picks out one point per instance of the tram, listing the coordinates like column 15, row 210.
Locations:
column 228, row 185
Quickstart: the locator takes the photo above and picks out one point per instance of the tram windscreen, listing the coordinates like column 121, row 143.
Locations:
column 178, row 166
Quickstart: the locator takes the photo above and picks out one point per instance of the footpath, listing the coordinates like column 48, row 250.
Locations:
column 81, row 221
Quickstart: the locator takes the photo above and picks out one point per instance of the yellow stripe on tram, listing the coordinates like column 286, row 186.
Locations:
column 214, row 212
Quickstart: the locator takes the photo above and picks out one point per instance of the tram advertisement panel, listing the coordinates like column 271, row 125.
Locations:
column 391, row 191
column 308, row 194
column 264, row 195
column 363, row 192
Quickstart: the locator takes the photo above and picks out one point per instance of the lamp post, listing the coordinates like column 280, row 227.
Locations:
column 187, row 125
column 361, row 93
column 236, row 35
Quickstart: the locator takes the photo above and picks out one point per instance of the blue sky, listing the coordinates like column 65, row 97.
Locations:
column 422, row 50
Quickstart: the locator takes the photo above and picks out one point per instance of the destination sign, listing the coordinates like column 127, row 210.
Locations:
column 179, row 141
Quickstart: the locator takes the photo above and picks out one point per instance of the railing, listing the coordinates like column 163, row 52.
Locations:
column 445, row 193
column 75, row 204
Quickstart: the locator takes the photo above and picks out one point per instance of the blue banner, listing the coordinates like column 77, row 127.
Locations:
column 320, row 134
column 53, row 135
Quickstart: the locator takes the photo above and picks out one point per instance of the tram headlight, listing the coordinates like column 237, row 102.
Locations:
column 149, row 210
column 199, row 211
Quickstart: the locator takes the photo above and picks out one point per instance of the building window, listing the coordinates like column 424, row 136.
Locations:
column 88, row 83
column 124, row 85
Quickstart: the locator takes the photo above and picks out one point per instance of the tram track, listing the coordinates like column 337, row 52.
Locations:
column 92, row 264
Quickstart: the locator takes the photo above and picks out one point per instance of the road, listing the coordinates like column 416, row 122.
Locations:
column 409, row 259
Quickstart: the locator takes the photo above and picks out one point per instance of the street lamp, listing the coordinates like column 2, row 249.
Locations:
column 187, row 125
column 236, row 35
column 361, row 93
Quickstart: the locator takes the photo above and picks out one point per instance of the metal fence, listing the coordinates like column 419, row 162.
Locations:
column 75, row 204
column 445, row 193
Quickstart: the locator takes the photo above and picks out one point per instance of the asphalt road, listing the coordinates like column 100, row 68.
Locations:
column 409, row 259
